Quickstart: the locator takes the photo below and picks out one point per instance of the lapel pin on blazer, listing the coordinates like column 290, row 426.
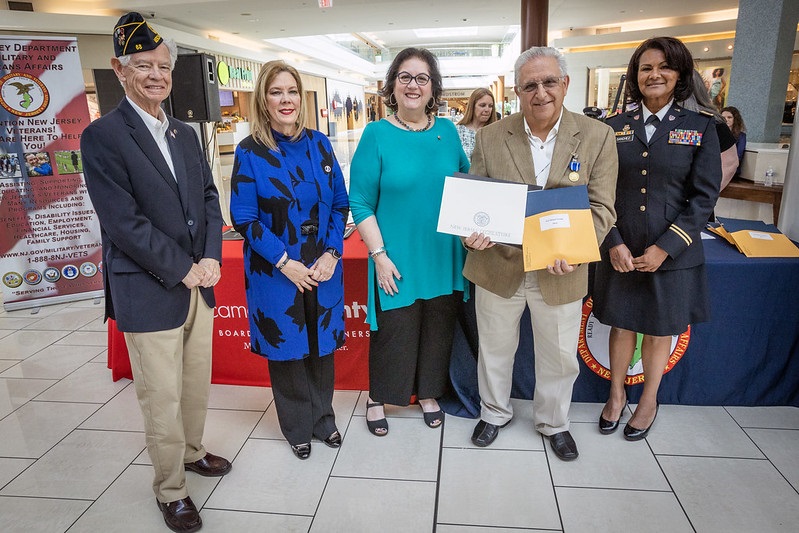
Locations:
column 173, row 133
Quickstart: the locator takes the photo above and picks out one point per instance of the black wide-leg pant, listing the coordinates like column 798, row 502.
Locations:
column 303, row 388
column 410, row 351
column 303, row 391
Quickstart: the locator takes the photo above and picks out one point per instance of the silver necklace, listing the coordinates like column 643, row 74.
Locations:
column 402, row 123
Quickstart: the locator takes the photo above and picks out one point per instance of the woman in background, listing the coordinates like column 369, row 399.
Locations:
column 415, row 283
column 651, row 279
column 289, row 202
column 479, row 112
column 736, row 124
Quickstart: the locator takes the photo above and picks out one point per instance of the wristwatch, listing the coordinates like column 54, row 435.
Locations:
column 332, row 251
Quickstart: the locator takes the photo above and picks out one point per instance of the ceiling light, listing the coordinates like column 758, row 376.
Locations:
column 729, row 47
column 706, row 49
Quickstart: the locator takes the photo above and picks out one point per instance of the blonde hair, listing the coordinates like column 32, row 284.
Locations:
column 476, row 95
column 259, row 116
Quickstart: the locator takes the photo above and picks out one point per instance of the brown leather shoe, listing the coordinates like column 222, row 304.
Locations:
column 210, row 466
column 181, row 515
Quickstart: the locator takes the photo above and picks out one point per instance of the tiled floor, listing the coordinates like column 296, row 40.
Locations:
column 72, row 459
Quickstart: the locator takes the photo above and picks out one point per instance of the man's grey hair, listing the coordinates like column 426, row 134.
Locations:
column 538, row 51
column 170, row 45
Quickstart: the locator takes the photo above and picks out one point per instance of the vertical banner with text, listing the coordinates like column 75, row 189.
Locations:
column 50, row 248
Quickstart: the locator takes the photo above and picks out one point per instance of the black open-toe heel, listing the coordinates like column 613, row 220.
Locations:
column 302, row 451
column 334, row 440
column 376, row 425
column 434, row 419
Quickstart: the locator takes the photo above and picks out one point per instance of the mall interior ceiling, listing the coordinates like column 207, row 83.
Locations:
column 473, row 36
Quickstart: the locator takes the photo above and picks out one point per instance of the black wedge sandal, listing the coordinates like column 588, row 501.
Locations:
column 433, row 419
column 376, row 425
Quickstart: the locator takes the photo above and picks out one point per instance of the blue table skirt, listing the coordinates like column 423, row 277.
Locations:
column 748, row 354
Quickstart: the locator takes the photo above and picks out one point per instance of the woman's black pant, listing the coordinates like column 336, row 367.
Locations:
column 303, row 388
column 410, row 351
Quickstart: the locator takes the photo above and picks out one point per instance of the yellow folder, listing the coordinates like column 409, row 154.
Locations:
column 558, row 225
column 721, row 232
column 755, row 238
column 764, row 244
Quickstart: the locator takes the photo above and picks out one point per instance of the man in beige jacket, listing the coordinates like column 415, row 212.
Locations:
column 549, row 146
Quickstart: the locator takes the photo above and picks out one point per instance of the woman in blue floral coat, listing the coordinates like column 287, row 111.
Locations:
column 290, row 204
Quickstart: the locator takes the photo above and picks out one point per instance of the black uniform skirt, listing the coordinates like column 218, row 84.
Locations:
column 657, row 303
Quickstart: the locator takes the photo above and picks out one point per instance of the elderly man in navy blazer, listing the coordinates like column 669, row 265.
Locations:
column 162, row 245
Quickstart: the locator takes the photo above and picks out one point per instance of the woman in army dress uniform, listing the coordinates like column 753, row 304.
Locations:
column 651, row 279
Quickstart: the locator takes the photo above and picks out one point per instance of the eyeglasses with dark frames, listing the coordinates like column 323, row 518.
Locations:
column 405, row 78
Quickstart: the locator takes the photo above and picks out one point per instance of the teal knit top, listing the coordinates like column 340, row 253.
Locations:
column 398, row 176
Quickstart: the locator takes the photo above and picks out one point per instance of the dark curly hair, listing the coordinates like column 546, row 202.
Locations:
column 391, row 77
column 737, row 121
column 678, row 57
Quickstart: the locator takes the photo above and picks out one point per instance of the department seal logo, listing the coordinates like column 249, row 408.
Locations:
column 88, row 269
column 481, row 219
column 33, row 277
column 70, row 272
column 51, row 274
column 23, row 95
column 12, row 280
column 593, row 348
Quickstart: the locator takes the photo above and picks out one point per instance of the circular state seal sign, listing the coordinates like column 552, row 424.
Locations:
column 23, row 95
column 481, row 219
column 593, row 348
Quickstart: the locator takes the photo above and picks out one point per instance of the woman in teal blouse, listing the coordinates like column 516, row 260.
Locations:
column 415, row 282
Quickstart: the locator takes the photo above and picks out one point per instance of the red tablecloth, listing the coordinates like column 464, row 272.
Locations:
column 233, row 362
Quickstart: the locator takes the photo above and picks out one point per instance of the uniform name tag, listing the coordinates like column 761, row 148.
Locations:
column 687, row 137
column 625, row 135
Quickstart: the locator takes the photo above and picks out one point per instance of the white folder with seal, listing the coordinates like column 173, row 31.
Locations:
column 482, row 205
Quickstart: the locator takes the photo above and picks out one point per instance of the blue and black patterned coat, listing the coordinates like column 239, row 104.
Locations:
column 274, row 193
